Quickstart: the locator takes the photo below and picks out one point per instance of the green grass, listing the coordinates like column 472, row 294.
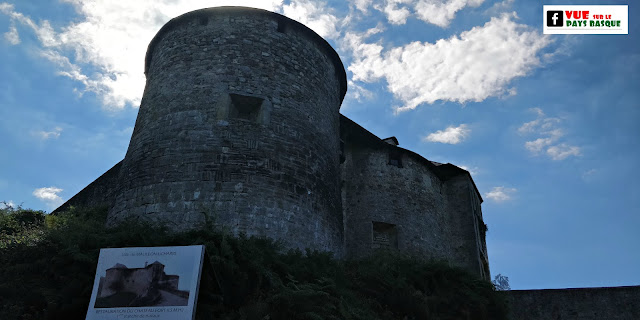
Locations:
column 47, row 268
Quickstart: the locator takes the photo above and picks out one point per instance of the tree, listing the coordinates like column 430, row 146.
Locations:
column 501, row 282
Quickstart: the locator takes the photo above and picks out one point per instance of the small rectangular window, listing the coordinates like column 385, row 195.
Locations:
column 281, row 26
column 245, row 107
column 395, row 158
column 384, row 235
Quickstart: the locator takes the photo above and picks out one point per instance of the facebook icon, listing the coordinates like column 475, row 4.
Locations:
column 555, row 19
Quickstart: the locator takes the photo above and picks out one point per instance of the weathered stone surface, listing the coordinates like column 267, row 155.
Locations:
column 239, row 126
column 269, row 169
column 432, row 209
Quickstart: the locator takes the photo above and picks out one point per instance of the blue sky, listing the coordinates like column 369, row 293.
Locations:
column 549, row 126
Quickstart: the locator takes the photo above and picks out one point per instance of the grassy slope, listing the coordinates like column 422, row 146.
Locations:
column 47, row 267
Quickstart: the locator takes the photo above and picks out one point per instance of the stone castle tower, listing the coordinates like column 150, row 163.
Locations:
column 239, row 126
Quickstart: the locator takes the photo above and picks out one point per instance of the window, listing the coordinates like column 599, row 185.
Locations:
column 245, row 107
column 395, row 158
column 384, row 235
column 281, row 26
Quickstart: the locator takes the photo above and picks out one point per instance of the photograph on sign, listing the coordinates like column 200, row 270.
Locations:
column 158, row 282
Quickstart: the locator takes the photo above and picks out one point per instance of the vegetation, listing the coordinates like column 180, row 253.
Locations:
column 47, row 267
column 501, row 283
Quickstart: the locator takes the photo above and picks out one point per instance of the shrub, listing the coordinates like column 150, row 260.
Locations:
column 51, row 275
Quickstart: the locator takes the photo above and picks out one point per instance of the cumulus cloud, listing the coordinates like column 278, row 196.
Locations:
column 362, row 5
column 314, row 15
column 549, row 134
column 437, row 12
column 49, row 195
column 110, row 38
column 562, row 151
column 473, row 66
column 358, row 92
column 472, row 170
column 44, row 135
column 499, row 7
column 441, row 12
column 546, row 125
column 500, row 194
column 394, row 10
column 537, row 145
column 12, row 35
column 450, row 135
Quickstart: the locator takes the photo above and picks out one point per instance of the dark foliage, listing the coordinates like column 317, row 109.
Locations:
column 47, row 267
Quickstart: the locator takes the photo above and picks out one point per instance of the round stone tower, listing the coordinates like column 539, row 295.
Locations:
column 238, row 128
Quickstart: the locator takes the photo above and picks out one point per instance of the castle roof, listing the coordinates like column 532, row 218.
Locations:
column 119, row 266
column 444, row 171
column 391, row 140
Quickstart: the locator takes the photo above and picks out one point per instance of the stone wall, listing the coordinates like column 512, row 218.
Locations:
column 238, row 126
column 393, row 198
column 468, row 246
column 98, row 193
column 408, row 198
column 617, row 303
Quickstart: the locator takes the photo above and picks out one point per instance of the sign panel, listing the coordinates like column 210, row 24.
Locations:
column 146, row 283
column 585, row 19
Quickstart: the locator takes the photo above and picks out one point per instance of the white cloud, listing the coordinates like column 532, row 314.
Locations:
column 12, row 35
column 362, row 5
column 437, row 12
column 358, row 92
column 44, row 135
column 562, row 151
column 450, row 135
column 499, row 7
column 537, row 111
column 473, row 171
column 537, row 145
column 473, row 66
column 395, row 14
column 441, row 12
column 549, row 129
column 529, row 126
column 49, row 195
column 546, row 125
column 313, row 15
column 500, row 194
column 110, row 38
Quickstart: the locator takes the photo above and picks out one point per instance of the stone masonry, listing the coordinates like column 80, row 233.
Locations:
column 239, row 127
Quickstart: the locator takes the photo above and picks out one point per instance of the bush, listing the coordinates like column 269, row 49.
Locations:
column 50, row 276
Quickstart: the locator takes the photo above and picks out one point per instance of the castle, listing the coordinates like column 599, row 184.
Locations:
column 144, row 282
column 239, row 126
